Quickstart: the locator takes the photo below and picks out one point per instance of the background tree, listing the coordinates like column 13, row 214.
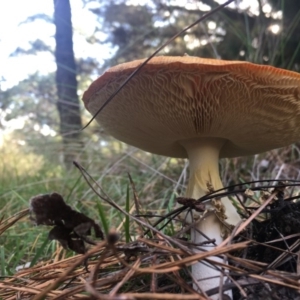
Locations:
column 66, row 82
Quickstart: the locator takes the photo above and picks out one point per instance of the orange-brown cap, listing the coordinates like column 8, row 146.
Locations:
column 254, row 107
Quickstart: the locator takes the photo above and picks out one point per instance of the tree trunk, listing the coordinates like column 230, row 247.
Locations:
column 66, row 82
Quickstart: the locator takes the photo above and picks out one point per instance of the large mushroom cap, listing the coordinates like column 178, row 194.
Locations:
column 255, row 108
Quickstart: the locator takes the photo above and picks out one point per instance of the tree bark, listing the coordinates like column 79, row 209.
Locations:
column 66, row 82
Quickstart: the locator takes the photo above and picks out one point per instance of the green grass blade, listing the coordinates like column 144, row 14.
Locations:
column 39, row 252
column 2, row 259
column 171, row 206
column 103, row 217
column 127, row 208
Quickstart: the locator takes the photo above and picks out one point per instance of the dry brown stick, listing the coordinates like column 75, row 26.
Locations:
column 52, row 286
column 254, row 266
column 283, row 255
column 274, row 281
column 153, row 284
column 129, row 274
column 162, row 296
column 93, row 275
column 192, row 259
column 5, row 224
column 215, row 252
column 298, row 265
column 282, row 276
column 160, row 246
column 100, row 282
column 183, row 284
column 16, row 287
column 249, row 220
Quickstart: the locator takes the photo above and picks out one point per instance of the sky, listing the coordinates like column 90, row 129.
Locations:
column 15, row 33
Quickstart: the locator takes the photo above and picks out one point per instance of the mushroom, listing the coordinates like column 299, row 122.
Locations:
column 203, row 110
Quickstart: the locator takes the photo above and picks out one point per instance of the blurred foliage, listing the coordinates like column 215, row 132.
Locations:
column 34, row 97
column 35, row 46
column 30, row 109
column 236, row 34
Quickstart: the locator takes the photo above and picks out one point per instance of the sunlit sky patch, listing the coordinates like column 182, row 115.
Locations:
column 15, row 33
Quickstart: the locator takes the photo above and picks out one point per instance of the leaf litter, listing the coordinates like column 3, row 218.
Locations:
column 262, row 254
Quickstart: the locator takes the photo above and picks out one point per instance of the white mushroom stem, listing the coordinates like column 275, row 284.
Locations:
column 204, row 169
